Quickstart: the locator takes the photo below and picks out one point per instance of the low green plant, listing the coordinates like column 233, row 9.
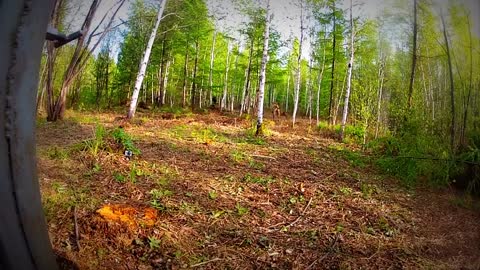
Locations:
column 207, row 135
column 97, row 143
column 346, row 191
column 119, row 177
column 265, row 181
column 125, row 140
column 241, row 210
column 158, row 194
column 57, row 153
column 238, row 156
column 414, row 155
column 368, row 190
column 153, row 242
column 212, row 195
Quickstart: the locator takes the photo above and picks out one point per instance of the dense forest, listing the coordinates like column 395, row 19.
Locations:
column 405, row 83
column 400, row 89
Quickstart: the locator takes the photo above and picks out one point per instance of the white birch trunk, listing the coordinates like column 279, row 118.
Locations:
column 212, row 59
column 144, row 63
column 288, row 90
column 165, row 82
column 349, row 80
column 223, row 104
column 263, row 69
column 298, row 71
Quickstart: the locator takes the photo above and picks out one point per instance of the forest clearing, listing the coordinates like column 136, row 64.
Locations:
column 240, row 134
column 204, row 193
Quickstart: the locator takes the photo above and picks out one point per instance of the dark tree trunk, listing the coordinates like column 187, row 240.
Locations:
column 194, row 80
column 185, row 74
column 161, row 98
column 24, row 242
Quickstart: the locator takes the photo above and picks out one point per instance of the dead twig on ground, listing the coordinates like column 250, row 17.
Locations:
column 77, row 234
column 203, row 263
column 266, row 157
column 302, row 214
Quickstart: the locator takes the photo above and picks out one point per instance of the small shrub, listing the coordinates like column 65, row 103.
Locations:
column 241, row 211
column 57, row 153
column 97, row 143
column 125, row 140
column 212, row 195
column 153, row 242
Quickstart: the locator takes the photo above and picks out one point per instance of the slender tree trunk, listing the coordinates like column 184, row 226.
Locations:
column 144, row 62
column 246, row 92
column 263, row 69
column 287, row 92
column 334, row 42
column 223, row 103
column 414, row 56
column 161, row 98
column 185, row 75
column 42, row 87
column 452, row 87
column 349, row 80
column 212, row 61
column 339, row 100
column 320, row 78
column 298, row 71
column 309, row 85
column 194, row 80
column 380, row 95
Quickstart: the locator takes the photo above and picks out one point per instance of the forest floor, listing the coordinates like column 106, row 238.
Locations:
column 206, row 194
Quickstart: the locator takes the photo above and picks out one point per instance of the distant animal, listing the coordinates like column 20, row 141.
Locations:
column 276, row 111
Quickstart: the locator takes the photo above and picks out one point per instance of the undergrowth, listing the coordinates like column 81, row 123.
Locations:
column 108, row 140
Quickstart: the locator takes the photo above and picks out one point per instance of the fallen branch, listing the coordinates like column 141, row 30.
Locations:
column 77, row 234
column 203, row 263
column 260, row 156
column 302, row 214
column 330, row 176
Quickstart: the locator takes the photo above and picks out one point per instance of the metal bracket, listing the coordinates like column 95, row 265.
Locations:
column 60, row 39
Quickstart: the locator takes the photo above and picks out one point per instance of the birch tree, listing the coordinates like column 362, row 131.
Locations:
column 349, row 79
column 263, row 69
column 144, row 63
column 223, row 103
column 298, row 78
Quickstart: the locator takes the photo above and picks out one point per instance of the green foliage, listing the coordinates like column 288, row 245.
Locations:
column 264, row 181
column 241, row 210
column 97, row 143
column 212, row 194
column 104, row 140
column 57, row 153
column 156, row 198
column 153, row 242
column 412, row 157
column 119, row 177
column 125, row 140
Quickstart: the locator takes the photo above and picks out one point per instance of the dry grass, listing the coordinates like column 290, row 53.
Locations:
column 226, row 200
